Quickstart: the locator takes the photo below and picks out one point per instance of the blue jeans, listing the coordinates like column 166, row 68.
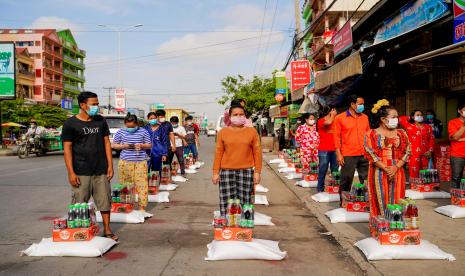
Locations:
column 191, row 148
column 325, row 159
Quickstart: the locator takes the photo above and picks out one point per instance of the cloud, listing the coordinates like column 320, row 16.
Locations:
column 248, row 15
column 54, row 22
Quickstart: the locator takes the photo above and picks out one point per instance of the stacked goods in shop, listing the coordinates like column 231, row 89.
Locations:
column 154, row 182
column 398, row 226
column 334, row 183
column 124, row 199
column 79, row 225
column 238, row 223
column 429, row 181
column 165, row 177
column 458, row 195
column 357, row 199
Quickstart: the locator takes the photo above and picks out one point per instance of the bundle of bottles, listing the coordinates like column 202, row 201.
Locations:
column 313, row 168
column 80, row 215
column 237, row 215
column 291, row 154
column 165, row 177
column 154, row 178
column 188, row 160
column 459, row 193
column 403, row 216
column 429, row 176
column 358, row 193
column 124, row 193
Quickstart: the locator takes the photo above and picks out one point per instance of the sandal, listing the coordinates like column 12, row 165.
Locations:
column 111, row 236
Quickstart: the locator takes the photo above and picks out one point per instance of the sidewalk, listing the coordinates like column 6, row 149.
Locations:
column 446, row 233
column 9, row 151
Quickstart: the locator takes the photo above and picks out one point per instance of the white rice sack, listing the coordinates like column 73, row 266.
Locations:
column 161, row 197
column 341, row 215
column 294, row 176
column 262, row 220
column 307, row 184
column 199, row 164
column 374, row 251
column 47, row 248
column 256, row 249
column 326, row 197
column 179, row 178
column 191, row 171
column 261, row 189
column 277, row 161
column 135, row 216
column 286, row 170
column 452, row 211
column 419, row 195
column 282, row 165
column 168, row 187
column 261, row 200
column 193, row 167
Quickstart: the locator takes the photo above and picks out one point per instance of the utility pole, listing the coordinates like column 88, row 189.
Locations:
column 109, row 96
column 298, row 33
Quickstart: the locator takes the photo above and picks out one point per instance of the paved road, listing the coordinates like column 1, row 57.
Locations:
column 173, row 242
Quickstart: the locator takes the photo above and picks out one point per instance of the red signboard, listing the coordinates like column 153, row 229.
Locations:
column 120, row 99
column 343, row 39
column 300, row 74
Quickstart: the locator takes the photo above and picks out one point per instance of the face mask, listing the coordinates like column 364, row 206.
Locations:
column 131, row 129
column 429, row 117
column 360, row 108
column 93, row 110
column 33, row 125
column 162, row 120
column 153, row 122
column 175, row 126
column 418, row 119
column 299, row 122
column 392, row 123
column 463, row 113
column 311, row 122
column 189, row 123
column 238, row 120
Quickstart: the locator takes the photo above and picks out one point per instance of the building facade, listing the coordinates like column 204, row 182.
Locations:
column 45, row 47
column 24, row 74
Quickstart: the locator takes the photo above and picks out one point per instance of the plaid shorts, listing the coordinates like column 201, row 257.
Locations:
column 236, row 184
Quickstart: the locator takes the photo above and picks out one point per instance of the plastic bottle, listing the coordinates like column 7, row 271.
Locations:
column 229, row 213
column 238, row 213
column 71, row 215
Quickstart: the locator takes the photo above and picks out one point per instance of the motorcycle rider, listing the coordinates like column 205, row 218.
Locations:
column 35, row 132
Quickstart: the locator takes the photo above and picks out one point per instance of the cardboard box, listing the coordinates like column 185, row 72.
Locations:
column 425, row 188
column 332, row 189
column 311, row 177
column 458, row 201
column 397, row 237
column 75, row 234
column 356, row 206
column 121, row 207
column 233, row 234
column 153, row 190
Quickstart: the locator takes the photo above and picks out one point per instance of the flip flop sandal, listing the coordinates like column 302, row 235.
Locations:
column 111, row 236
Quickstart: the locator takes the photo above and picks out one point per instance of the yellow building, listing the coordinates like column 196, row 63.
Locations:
column 24, row 74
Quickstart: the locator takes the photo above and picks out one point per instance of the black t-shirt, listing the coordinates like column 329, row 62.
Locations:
column 89, row 156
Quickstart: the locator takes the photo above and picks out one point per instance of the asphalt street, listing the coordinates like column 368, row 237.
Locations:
column 33, row 191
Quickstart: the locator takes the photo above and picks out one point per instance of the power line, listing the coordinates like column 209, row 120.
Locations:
column 260, row 40
column 268, row 41
column 281, row 47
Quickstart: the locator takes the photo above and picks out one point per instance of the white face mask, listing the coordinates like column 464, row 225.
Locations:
column 418, row 119
column 162, row 120
column 392, row 123
column 463, row 113
column 311, row 122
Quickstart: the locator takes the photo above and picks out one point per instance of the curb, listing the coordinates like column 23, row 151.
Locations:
column 352, row 252
column 7, row 152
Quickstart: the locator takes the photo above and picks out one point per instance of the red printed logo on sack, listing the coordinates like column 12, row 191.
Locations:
column 227, row 234
column 64, row 235
column 394, row 238
column 357, row 206
column 427, row 188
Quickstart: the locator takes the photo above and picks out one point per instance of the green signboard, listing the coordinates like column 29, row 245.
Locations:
column 7, row 71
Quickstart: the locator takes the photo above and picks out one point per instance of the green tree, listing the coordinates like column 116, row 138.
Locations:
column 258, row 92
column 18, row 112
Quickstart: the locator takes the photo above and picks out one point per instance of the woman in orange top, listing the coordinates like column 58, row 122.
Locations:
column 238, row 160
column 387, row 149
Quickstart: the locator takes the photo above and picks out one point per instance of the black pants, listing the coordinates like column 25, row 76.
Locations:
column 352, row 163
column 282, row 144
column 457, row 165
column 180, row 155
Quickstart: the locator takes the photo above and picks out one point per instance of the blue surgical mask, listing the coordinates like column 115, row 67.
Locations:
column 93, row 110
column 429, row 117
column 360, row 108
column 153, row 122
column 131, row 129
column 175, row 126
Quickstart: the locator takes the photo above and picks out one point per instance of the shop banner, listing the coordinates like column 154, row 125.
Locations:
column 120, row 99
column 342, row 39
column 411, row 16
column 281, row 82
column 67, row 104
column 459, row 20
column 7, row 71
column 300, row 74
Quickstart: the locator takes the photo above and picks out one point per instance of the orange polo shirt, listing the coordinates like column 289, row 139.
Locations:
column 457, row 149
column 349, row 133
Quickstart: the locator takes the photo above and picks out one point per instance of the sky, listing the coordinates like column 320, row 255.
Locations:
column 180, row 54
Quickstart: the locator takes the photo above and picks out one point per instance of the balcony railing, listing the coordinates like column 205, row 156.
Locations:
column 25, row 72
column 53, row 82
column 69, row 72
column 73, row 87
column 75, row 61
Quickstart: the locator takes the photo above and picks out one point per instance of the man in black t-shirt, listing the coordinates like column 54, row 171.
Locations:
column 88, row 157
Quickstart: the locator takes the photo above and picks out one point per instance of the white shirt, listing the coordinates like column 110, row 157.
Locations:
column 182, row 131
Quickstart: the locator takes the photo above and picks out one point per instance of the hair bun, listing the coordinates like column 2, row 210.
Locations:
column 378, row 105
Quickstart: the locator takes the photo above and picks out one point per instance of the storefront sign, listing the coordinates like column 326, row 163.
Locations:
column 281, row 82
column 459, row 20
column 120, row 99
column 343, row 39
column 411, row 16
column 7, row 71
column 300, row 74
column 283, row 111
column 67, row 104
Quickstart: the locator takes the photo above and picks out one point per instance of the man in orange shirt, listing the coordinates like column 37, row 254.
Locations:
column 349, row 133
column 456, row 130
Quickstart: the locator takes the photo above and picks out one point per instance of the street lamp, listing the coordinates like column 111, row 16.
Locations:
column 119, row 30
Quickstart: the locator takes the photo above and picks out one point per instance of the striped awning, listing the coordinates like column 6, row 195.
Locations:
column 348, row 67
